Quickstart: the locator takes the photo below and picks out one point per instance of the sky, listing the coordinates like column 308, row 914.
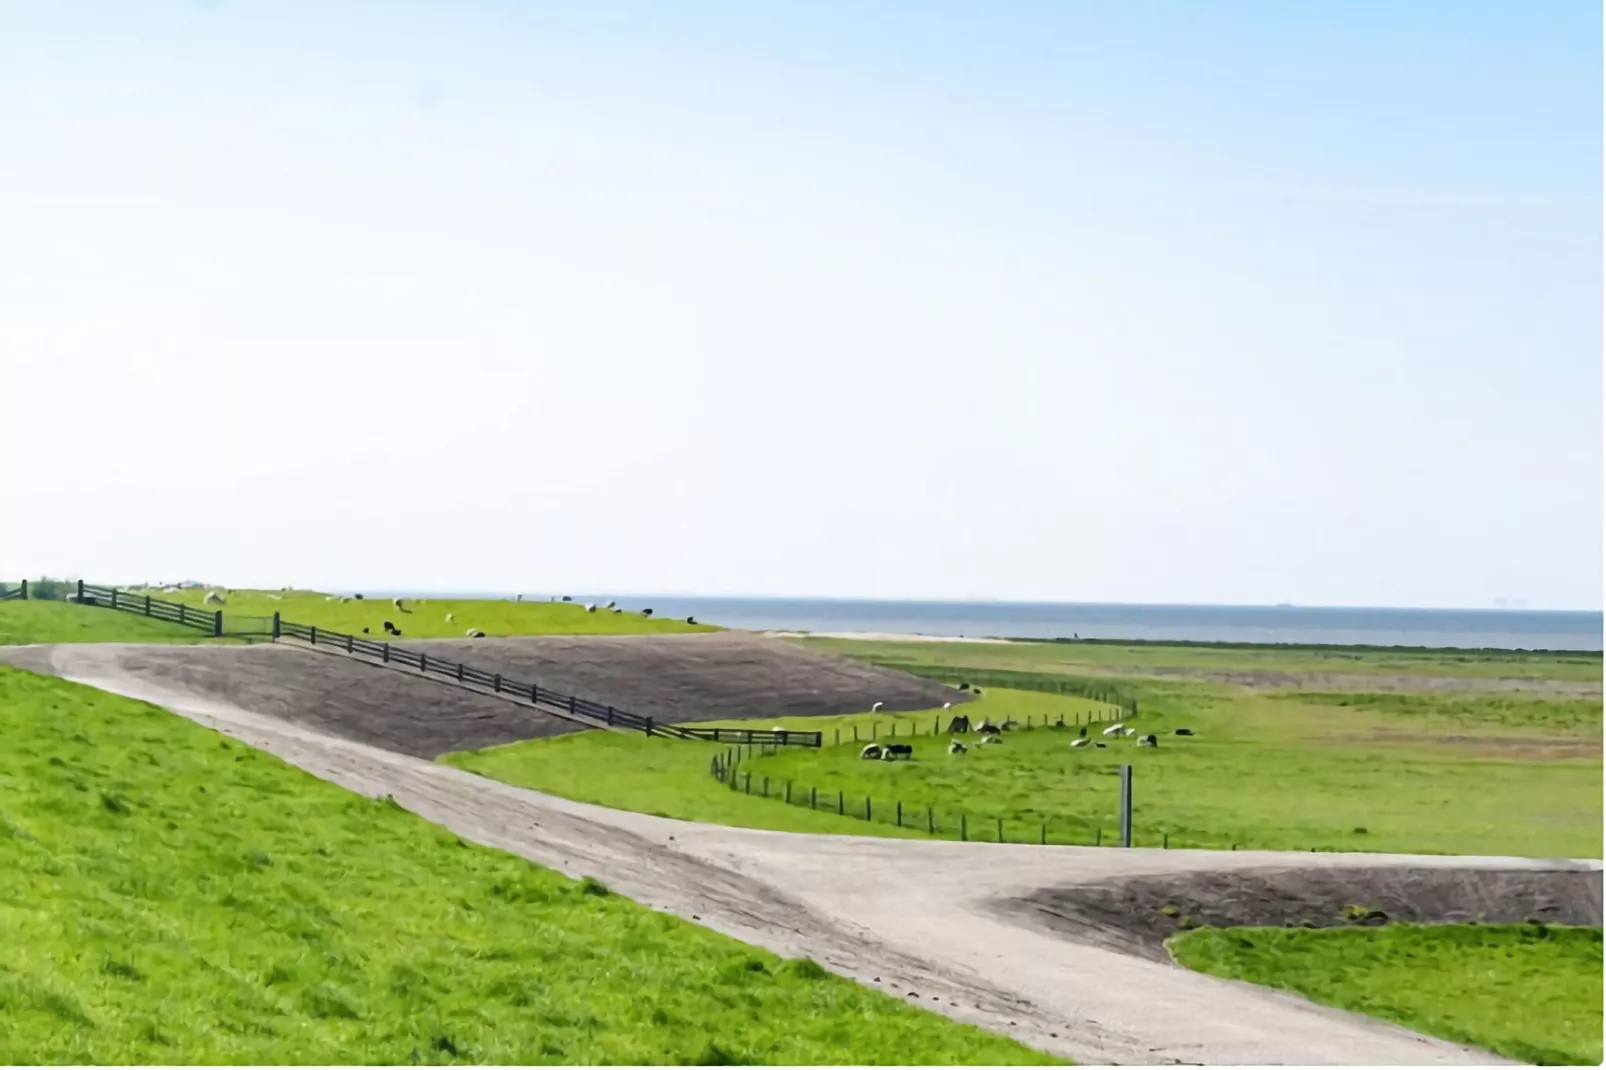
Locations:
column 1245, row 302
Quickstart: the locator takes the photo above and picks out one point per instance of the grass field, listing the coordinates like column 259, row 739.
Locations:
column 170, row 896
column 1103, row 659
column 1530, row 993
column 63, row 622
column 426, row 618
column 1452, row 775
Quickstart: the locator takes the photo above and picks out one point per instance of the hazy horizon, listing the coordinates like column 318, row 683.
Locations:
column 1132, row 302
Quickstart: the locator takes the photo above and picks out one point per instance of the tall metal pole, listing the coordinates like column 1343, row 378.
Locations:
column 1126, row 806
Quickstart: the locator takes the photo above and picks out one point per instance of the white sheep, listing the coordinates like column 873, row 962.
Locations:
column 877, row 706
column 1115, row 729
column 450, row 617
column 1084, row 741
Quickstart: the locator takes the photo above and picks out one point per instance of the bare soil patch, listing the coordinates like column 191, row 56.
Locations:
column 1136, row 915
column 678, row 678
column 709, row 677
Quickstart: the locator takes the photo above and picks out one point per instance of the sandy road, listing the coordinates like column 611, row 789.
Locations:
column 925, row 922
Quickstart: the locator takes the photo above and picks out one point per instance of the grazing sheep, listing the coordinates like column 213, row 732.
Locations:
column 276, row 597
column 398, row 633
column 1010, row 725
column 647, row 612
column 947, row 705
column 450, row 617
column 1184, row 731
column 1100, row 746
column 1130, row 732
column 1082, row 742
column 877, row 706
column 989, row 739
column 618, row 611
column 894, row 751
column 976, row 691
column 365, row 631
column 213, row 599
column 987, row 728
column 358, row 597
column 963, row 686
column 1149, row 741
column 591, row 607
column 566, row 598
column 390, row 629
column 1082, row 732
column 955, row 747
column 611, row 605
column 871, row 752
column 691, row 620
column 961, row 723
column 1115, row 729
column 475, row 633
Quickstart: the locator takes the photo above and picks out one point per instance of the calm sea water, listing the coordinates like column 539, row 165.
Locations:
column 1507, row 629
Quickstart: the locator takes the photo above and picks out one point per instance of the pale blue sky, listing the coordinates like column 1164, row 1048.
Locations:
column 1241, row 302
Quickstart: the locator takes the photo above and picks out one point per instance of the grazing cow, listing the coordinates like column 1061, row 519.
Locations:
column 1082, row 742
column 955, row 747
column 1184, row 731
column 894, row 751
column 1115, row 729
column 871, row 752
column 475, row 633
column 1149, row 741
column 961, row 723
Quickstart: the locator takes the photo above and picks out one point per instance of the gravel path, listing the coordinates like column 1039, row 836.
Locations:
column 927, row 921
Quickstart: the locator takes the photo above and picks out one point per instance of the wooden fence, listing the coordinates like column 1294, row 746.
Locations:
column 583, row 711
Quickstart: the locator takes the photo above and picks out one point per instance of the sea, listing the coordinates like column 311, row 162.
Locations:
column 1343, row 626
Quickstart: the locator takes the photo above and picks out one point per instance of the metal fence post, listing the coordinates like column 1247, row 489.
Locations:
column 1126, row 806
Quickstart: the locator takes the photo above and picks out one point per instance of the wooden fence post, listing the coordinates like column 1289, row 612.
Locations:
column 80, row 590
column 649, row 732
column 931, row 822
column 814, row 802
column 841, row 805
column 147, row 605
column 217, row 624
column 571, row 706
column 839, row 737
column 1042, row 834
column 747, row 781
column 313, row 631
column 964, row 833
column 867, row 807
column 1000, row 830
column 114, row 598
column 766, row 787
column 900, row 813
column 349, row 640
column 24, row 590
column 788, row 791
column 384, row 653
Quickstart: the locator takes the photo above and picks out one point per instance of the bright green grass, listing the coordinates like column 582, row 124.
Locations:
column 38, row 621
column 427, row 617
column 1095, row 659
column 1264, row 771
column 1530, row 993
column 170, row 896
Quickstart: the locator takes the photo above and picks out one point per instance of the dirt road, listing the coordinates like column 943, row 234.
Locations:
column 935, row 923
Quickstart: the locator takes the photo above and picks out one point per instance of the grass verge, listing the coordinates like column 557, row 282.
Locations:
column 171, row 896
column 39, row 621
column 1528, row 992
column 426, row 618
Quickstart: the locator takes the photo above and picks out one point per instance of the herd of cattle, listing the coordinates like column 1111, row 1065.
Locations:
column 989, row 734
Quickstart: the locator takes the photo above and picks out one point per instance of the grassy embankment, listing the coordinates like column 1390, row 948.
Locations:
column 1531, row 993
column 1428, row 772
column 426, row 618
column 63, row 622
column 171, row 896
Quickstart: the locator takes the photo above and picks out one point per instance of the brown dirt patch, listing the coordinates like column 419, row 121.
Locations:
column 1136, row 915
column 709, row 677
column 670, row 678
